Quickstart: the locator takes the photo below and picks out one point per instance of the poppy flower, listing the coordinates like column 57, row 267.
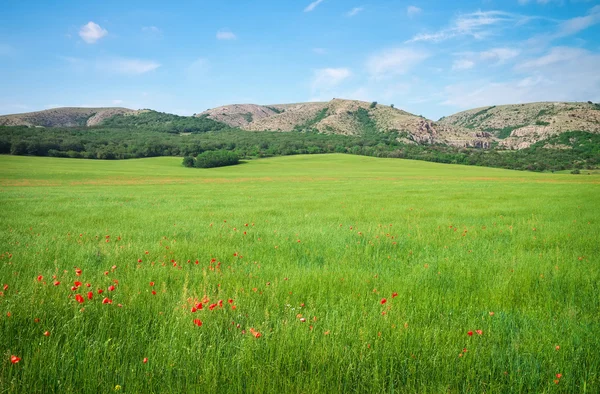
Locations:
column 100, row 291
column 198, row 322
column 470, row 333
column 194, row 309
column 77, row 271
column 40, row 278
column 111, row 288
column 151, row 283
column 106, row 300
column 153, row 292
column 557, row 348
column 90, row 295
column 77, row 283
column 394, row 295
column 220, row 303
column 47, row 333
column 145, row 360
column 230, row 301
column 56, row 283
column 79, row 298
column 14, row 359
column 5, row 287
column 559, row 375
column 199, row 306
column 383, row 301
column 212, row 306
column 479, row 332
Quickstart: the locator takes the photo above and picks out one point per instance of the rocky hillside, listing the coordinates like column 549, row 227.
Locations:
column 348, row 117
column 520, row 125
column 63, row 117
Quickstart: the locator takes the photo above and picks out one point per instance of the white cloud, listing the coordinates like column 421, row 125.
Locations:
column 225, row 35
column 462, row 64
column 354, row 11
column 575, row 25
column 477, row 25
column 92, row 32
column 313, row 5
column 394, row 61
column 328, row 78
column 563, row 74
column 126, row 66
column 500, row 55
column 412, row 11
column 151, row 30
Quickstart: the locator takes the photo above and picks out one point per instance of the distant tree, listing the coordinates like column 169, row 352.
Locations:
column 589, row 102
column 217, row 158
column 189, row 161
column 392, row 105
column 373, row 104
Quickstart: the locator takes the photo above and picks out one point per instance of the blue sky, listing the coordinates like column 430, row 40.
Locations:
column 428, row 57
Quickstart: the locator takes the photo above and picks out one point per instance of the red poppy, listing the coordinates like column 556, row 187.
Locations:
column 153, row 292
column 106, row 300
column 90, row 295
column 77, row 283
column 394, row 295
column 470, row 333
column 199, row 306
column 220, row 303
column 111, row 288
column 194, row 309
column 40, row 278
column 139, row 260
column 56, row 283
column 47, row 333
column 14, row 359
column 198, row 322
column 79, row 298
column 212, row 306
column 383, row 301
column 100, row 291
column 559, row 375
column 151, row 283
column 77, row 271
column 145, row 360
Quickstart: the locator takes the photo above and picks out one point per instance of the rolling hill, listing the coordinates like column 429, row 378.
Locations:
column 346, row 117
column 519, row 126
column 63, row 117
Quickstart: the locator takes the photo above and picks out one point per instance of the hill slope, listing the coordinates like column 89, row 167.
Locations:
column 521, row 125
column 63, row 117
column 347, row 117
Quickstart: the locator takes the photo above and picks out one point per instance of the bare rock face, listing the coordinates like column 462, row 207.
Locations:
column 239, row 115
column 62, row 117
column 519, row 126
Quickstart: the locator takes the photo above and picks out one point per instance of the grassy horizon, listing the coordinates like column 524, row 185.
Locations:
column 359, row 274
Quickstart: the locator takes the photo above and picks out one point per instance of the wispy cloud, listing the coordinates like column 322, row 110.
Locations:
column 313, row 5
column 354, row 11
column 126, row 66
column 476, row 25
column 412, row 11
column 561, row 74
column 394, row 61
column 225, row 34
column 151, row 30
column 92, row 32
column 462, row 64
column 327, row 78
column 500, row 55
column 575, row 25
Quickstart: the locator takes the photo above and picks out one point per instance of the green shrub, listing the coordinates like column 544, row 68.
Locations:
column 373, row 104
column 216, row 158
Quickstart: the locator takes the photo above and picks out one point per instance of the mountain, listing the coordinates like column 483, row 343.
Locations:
column 519, row 126
column 347, row 117
column 63, row 117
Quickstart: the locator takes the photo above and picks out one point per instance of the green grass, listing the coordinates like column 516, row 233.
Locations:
column 327, row 237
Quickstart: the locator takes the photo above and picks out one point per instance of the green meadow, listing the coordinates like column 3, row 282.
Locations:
column 302, row 274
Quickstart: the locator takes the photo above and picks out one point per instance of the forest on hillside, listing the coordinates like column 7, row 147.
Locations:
column 156, row 134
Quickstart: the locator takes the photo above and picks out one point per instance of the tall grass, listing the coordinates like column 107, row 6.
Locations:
column 359, row 274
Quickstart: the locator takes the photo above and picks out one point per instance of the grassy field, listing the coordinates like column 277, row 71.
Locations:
column 330, row 273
